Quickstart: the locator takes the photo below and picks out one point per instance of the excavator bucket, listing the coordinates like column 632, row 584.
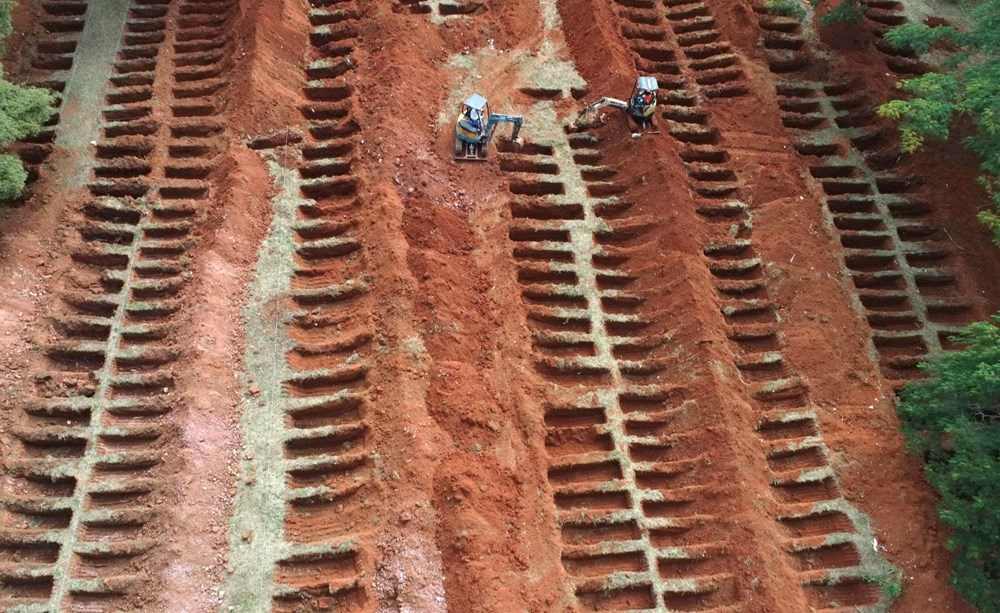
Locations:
column 585, row 118
column 589, row 114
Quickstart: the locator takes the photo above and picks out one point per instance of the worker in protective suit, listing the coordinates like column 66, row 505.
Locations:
column 641, row 109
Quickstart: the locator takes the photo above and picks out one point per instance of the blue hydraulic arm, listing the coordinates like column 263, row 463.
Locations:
column 501, row 118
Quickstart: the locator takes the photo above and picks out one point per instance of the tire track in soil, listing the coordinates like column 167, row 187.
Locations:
column 301, row 535
column 826, row 541
column 906, row 277
column 80, row 509
column 632, row 485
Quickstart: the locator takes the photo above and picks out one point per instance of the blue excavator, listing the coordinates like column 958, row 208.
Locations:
column 475, row 126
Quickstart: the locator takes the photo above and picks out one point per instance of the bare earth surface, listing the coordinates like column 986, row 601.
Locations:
column 265, row 346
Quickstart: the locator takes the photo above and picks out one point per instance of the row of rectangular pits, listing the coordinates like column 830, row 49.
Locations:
column 56, row 36
column 327, row 459
column 903, row 266
column 647, row 35
column 456, row 8
column 558, row 305
column 880, row 17
column 785, row 44
column 90, row 453
column 644, row 521
column 802, row 473
column 714, row 65
column 113, row 351
column 734, row 265
column 787, row 49
column 124, row 154
column 647, row 518
column 852, row 202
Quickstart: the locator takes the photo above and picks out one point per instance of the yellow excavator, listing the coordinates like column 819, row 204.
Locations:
column 640, row 106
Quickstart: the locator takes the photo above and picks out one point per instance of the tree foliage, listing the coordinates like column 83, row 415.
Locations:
column 23, row 112
column 848, row 11
column 12, row 176
column 968, row 86
column 953, row 418
column 786, row 8
column 6, row 26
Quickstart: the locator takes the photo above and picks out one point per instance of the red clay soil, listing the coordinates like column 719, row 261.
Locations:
column 853, row 57
column 209, row 419
column 450, row 285
column 459, row 418
column 270, row 39
column 17, row 46
column 678, row 288
column 449, row 394
column 28, row 239
column 859, row 422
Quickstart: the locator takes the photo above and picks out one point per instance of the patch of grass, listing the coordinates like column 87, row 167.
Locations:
column 892, row 588
column 259, row 505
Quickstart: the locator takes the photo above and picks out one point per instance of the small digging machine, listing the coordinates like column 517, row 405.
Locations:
column 640, row 106
column 475, row 126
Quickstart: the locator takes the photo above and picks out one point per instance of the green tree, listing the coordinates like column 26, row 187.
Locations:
column 848, row 11
column 786, row 8
column 23, row 112
column 6, row 26
column 968, row 86
column 953, row 419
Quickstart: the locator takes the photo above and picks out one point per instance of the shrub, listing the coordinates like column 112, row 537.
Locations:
column 23, row 112
column 848, row 11
column 6, row 27
column 953, row 419
column 12, row 177
column 786, row 8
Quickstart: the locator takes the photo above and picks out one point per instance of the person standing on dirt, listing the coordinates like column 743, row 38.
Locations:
column 641, row 109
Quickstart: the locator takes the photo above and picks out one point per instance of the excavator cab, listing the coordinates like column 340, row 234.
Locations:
column 643, row 99
column 475, row 127
column 473, row 119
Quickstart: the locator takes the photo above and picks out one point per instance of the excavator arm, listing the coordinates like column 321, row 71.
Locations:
column 593, row 107
column 470, row 145
column 603, row 102
column 500, row 118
